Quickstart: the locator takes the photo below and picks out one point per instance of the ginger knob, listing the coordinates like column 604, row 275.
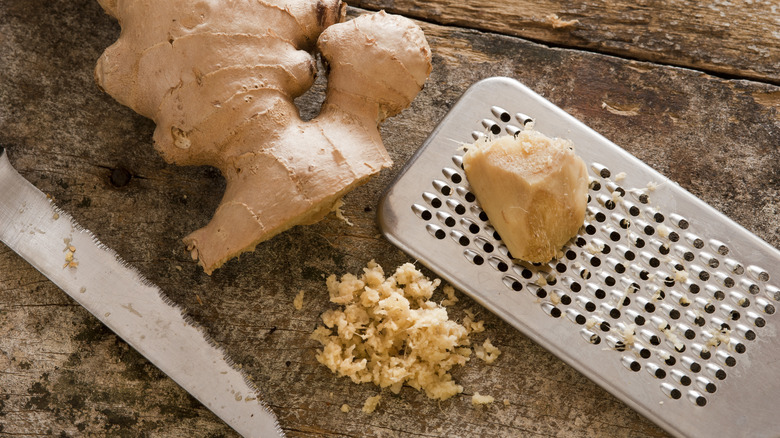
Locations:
column 533, row 189
column 219, row 79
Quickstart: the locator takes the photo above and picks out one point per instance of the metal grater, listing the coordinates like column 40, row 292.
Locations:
column 660, row 299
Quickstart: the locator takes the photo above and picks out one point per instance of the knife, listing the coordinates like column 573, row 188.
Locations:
column 127, row 303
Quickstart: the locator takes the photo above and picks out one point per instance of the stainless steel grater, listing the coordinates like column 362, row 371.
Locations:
column 660, row 299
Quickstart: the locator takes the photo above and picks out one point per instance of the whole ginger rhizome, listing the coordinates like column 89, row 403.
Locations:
column 391, row 334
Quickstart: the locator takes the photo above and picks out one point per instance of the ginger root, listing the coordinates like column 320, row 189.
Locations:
column 219, row 78
column 533, row 188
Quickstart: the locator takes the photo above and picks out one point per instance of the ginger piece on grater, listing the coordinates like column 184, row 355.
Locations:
column 533, row 189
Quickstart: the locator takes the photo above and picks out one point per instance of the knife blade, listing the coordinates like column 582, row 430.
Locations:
column 127, row 303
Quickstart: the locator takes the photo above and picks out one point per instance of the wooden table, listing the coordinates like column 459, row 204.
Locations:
column 691, row 88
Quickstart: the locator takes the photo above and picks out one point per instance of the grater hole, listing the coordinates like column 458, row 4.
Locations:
column 674, row 237
column 501, row 113
column 470, row 225
column 486, row 246
column 758, row 273
column 773, row 292
column 491, row 126
column 474, row 257
column 671, row 391
column 523, row 119
column 513, row 283
column 541, row 293
column 446, row 219
column 719, row 247
column 422, row 212
column 432, row 200
column 594, row 185
column 513, row 130
column 601, row 170
column 631, row 364
column 593, row 260
column 459, row 237
column 680, row 221
column 576, row 317
column 498, row 264
column 591, row 337
column 656, row 371
column 442, row 187
column 452, row 175
column 551, row 310
column 696, row 398
column 458, row 160
column 436, row 231
column 456, row 206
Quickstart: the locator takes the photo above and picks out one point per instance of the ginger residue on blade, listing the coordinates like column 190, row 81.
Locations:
column 219, row 80
column 533, row 189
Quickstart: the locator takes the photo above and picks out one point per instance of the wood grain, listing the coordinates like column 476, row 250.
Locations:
column 739, row 39
column 64, row 374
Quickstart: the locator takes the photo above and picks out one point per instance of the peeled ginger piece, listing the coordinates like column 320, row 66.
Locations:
column 533, row 188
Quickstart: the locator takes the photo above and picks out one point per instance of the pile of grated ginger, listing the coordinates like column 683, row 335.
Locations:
column 388, row 332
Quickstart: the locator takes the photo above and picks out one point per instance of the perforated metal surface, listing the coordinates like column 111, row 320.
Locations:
column 660, row 299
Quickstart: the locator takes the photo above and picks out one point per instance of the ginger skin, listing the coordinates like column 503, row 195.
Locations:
column 219, row 78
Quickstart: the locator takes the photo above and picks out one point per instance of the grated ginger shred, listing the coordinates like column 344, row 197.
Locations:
column 391, row 334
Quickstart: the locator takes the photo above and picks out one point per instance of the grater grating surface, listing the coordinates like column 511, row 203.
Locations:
column 660, row 299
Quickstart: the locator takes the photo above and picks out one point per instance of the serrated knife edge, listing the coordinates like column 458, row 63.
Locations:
column 130, row 305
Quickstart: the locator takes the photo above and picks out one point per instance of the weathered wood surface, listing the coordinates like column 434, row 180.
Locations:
column 63, row 374
column 720, row 36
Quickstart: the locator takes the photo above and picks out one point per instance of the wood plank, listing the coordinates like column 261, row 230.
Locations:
column 63, row 374
column 739, row 39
